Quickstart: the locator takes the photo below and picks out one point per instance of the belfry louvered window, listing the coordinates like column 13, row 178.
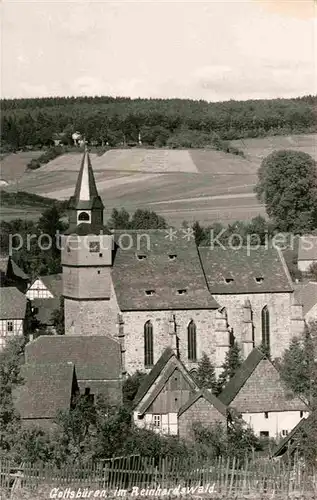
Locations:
column 148, row 344
column 265, row 318
column 191, row 341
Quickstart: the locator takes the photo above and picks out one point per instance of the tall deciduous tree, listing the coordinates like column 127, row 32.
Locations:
column 287, row 186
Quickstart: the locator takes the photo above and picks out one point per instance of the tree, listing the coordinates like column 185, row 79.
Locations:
column 11, row 358
column 120, row 219
column 298, row 365
column 287, row 186
column 131, row 386
column 206, row 376
column 146, row 219
column 58, row 318
column 233, row 361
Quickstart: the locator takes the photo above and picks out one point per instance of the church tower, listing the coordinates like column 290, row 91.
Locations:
column 87, row 253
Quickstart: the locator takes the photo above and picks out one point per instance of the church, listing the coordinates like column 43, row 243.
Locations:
column 153, row 289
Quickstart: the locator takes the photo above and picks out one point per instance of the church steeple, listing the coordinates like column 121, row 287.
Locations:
column 85, row 206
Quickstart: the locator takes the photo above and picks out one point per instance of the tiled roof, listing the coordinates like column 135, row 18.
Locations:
column 12, row 303
column 258, row 376
column 54, row 283
column 169, row 271
column 213, row 400
column 159, row 375
column 47, row 388
column 85, row 228
column 45, row 308
column 86, row 194
column 244, row 372
column 306, row 295
column 307, row 249
column 254, row 271
column 95, row 357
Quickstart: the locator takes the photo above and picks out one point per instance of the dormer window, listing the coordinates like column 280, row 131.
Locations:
column 229, row 280
column 149, row 292
column 259, row 279
column 141, row 256
column 172, row 256
column 182, row 291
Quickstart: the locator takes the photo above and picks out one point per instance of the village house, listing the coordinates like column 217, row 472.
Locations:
column 306, row 295
column 293, row 443
column 98, row 361
column 170, row 402
column 45, row 293
column 151, row 290
column 46, row 390
column 14, row 313
column 307, row 252
column 257, row 392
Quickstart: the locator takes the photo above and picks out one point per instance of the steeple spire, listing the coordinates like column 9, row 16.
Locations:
column 86, row 206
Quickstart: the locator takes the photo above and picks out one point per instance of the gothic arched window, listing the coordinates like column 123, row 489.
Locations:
column 83, row 216
column 265, row 319
column 148, row 344
column 191, row 341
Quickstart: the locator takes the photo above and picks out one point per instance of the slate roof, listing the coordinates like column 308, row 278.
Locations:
column 245, row 371
column 158, row 272
column 306, row 295
column 159, row 375
column 213, row 400
column 12, row 303
column 47, row 388
column 95, row 357
column 5, row 262
column 85, row 228
column 85, row 182
column 45, row 309
column 307, row 248
column 220, row 264
column 54, row 283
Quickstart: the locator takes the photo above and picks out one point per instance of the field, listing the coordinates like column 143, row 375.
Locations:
column 180, row 185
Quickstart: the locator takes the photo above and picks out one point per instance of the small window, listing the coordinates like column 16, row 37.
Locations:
column 10, row 326
column 94, row 246
column 68, row 248
column 284, row 433
column 266, row 414
column 172, row 256
column 301, row 414
column 157, row 421
column 98, row 271
column 149, row 292
column 264, row 433
column 100, row 255
column 259, row 279
column 141, row 257
column 229, row 280
column 87, row 391
column 83, row 216
column 182, row 292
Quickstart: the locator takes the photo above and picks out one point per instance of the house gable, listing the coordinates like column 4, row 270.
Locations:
column 257, row 387
column 166, row 388
column 38, row 290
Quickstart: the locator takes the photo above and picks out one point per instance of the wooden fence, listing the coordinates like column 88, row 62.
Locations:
column 165, row 477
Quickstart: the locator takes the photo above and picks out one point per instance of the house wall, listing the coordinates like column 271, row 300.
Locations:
column 38, row 291
column 275, row 423
column 280, row 309
column 134, row 322
column 5, row 333
column 304, row 265
column 311, row 315
column 173, row 396
column 167, row 423
column 201, row 411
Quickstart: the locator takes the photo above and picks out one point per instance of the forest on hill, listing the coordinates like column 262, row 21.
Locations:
column 175, row 123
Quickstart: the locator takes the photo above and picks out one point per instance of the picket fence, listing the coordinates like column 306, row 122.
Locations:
column 123, row 475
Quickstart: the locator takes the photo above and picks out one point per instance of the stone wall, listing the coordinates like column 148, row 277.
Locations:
column 280, row 309
column 201, row 411
column 134, row 322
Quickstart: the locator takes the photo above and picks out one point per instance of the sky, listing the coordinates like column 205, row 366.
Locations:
column 211, row 50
